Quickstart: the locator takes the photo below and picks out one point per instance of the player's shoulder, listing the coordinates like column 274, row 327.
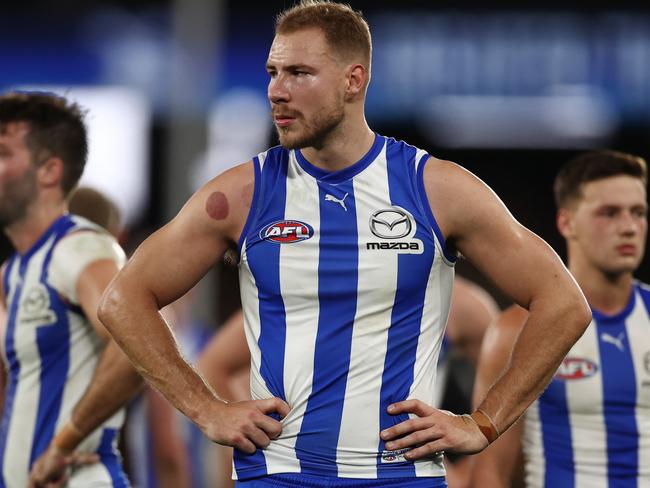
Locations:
column 442, row 172
column 86, row 240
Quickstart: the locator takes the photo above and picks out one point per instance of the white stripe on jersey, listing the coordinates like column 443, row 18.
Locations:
column 533, row 448
column 360, row 417
column 587, row 433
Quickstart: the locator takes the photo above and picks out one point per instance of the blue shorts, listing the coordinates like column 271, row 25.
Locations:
column 297, row 480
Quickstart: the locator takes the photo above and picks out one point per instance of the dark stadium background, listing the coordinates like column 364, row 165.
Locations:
column 59, row 43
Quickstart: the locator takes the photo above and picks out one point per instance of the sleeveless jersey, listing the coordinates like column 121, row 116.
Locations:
column 50, row 352
column 591, row 427
column 346, row 291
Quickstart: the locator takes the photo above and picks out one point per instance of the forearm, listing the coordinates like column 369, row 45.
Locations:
column 139, row 329
column 114, row 383
column 546, row 338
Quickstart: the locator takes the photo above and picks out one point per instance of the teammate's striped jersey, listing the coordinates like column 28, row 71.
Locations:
column 50, row 352
column 591, row 427
column 346, row 291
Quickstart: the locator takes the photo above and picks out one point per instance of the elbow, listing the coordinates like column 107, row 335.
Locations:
column 578, row 313
column 109, row 306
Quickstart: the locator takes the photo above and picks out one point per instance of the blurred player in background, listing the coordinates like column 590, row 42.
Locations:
column 98, row 208
column 591, row 427
column 66, row 379
column 160, row 444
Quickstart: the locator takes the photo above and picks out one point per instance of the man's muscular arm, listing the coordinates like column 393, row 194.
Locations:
column 477, row 224
column 166, row 266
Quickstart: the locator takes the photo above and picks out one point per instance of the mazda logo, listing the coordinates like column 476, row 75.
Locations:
column 390, row 224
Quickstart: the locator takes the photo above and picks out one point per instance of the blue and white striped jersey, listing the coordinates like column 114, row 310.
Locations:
column 346, row 291
column 50, row 352
column 591, row 427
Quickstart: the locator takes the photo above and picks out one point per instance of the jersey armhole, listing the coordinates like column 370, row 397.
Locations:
column 253, row 210
column 429, row 213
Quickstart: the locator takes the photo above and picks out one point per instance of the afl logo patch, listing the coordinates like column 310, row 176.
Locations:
column 287, row 231
column 576, row 369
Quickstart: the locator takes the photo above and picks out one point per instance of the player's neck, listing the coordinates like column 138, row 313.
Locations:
column 608, row 293
column 347, row 145
column 24, row 233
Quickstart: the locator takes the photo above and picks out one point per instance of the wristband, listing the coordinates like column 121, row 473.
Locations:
column 485, row 424
column 68, row 438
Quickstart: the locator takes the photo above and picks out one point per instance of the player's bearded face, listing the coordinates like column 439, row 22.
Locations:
column 306, row 89
column 17, row 176
column 15, row 197
column 311, row 128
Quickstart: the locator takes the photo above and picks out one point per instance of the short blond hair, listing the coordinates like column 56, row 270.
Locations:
column 345, row 29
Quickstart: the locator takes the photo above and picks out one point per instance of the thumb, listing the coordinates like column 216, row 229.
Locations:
column 84, row 458
column 274, row 404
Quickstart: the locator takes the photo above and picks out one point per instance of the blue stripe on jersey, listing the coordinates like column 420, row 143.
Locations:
column 556, row 436
column 337, row 296
column 265, row 264
column 406, row 318
column 427, row 209
column 253, row 210
column 14, row 367
column 54, row 349
column 110, row 460
column 619, row 398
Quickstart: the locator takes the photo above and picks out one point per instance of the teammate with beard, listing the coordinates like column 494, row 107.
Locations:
column 66, row 379
column 346, row 278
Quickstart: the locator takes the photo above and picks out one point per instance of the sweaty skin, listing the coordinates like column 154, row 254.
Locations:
column 217, row 206
column 247, row 194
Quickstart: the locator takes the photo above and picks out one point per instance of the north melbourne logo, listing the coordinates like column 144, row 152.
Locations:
column 395, row 227
column 35, row 307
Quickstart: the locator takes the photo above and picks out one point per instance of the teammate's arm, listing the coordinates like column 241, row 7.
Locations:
column 163, row 268
column 498, row 463
column 472, row 311
column 225, row 356
column 477, row 224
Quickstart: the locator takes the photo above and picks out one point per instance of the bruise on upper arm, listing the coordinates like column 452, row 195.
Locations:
column 174, row 258
column 216, row 206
